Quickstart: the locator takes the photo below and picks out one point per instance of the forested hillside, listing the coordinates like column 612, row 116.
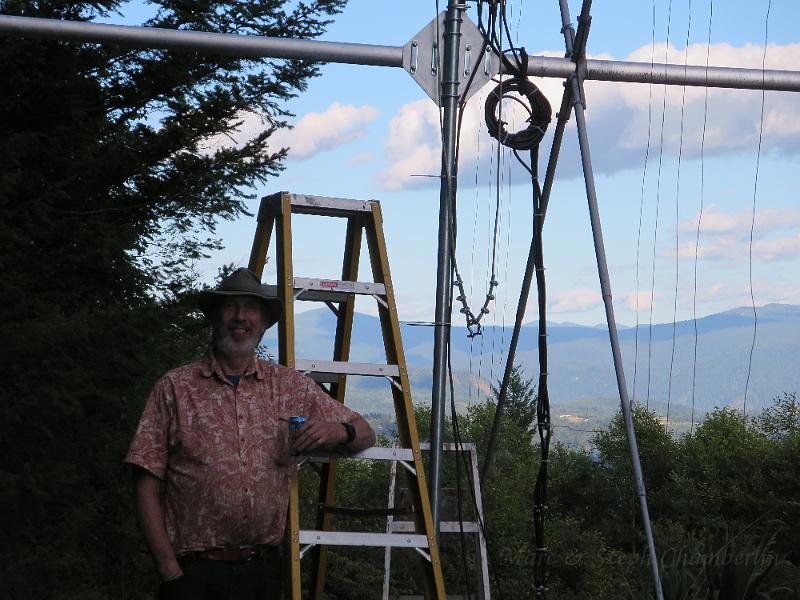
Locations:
column 579, row 360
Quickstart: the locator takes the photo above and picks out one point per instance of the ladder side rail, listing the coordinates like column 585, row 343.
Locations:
column 258, row 253
column 280, row 204
column 482, row 554
column 387, row 556
column 341, row 353
column 404, row 408
column 286, row 336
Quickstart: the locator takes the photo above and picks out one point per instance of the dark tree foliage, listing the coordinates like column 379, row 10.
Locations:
column 109, row 192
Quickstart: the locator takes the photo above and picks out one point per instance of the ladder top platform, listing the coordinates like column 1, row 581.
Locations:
column 312, row 205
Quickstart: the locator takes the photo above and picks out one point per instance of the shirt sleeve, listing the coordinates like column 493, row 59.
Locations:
column 320, row 405
column 149, row 447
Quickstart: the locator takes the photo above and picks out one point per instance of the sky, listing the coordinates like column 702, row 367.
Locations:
column 661, row 154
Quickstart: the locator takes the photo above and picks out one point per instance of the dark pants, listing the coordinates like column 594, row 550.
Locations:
column 205, row 579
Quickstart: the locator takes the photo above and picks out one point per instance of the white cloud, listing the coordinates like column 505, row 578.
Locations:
column 726, row 236
column 311, row 134
column 639, row 300
column 719, row 222
column 318, row 132
column 577, row 300
column 619, row 116
column 413, row 146
column 248, row 125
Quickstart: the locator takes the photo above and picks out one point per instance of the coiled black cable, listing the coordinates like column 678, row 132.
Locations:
column 538, row 108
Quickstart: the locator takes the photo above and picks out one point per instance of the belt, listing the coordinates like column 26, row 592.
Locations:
column 233, row 554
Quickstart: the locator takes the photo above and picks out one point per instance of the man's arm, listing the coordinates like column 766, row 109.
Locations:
column 317, row 434
column 150, row 513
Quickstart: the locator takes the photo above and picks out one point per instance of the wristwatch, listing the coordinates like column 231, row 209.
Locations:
column 351, row 432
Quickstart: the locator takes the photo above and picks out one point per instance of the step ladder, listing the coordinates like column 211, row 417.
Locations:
column 363, row 217
column 475, row 528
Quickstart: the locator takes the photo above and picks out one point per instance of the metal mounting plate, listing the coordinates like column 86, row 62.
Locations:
column 423, row 58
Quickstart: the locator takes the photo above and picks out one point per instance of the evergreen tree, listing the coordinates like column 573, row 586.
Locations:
column 109, row 192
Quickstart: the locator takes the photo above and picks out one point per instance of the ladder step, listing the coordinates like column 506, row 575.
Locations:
column 353, row 538
column 374, row 453
column 303, row 204
column 329, row 290
column 329, row 370
column 444, row 527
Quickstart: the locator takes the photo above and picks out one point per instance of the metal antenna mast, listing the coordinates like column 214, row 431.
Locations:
column 444, row 270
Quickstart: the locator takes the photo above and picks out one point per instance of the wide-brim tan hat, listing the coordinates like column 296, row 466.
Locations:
column 242, row 282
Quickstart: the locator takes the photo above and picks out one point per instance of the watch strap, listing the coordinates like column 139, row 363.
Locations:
column 351, row 432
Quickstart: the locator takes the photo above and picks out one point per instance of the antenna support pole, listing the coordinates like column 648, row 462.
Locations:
column 444, row 270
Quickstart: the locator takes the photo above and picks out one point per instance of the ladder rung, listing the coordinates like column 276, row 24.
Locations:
column 334, row 290
column 353, row 538
column 444, row 527
column 375, row 453
column 346, row 368
column 329, row 290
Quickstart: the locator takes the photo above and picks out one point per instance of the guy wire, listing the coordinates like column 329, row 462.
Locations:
column 658, row 202
column 677, row 215
column 641, row 199
column 753, row 217
column 700, row 214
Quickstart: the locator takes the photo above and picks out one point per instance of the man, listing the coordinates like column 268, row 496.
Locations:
column 213, row 457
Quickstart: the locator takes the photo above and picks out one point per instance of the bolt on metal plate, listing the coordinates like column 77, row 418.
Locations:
column 423, row 58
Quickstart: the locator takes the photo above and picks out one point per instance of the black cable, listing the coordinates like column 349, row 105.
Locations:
column 542, row 406
column 539, row 118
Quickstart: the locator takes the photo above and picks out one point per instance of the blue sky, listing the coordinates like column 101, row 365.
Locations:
column 362, row 132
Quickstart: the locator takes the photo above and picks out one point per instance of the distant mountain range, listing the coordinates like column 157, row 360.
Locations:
column 580, row 363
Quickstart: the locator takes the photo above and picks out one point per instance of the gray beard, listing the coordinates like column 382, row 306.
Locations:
column 227, row 347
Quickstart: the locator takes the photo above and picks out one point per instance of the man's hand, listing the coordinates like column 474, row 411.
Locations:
column 316, row 434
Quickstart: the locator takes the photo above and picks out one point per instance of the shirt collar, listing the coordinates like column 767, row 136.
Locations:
column 210, row 367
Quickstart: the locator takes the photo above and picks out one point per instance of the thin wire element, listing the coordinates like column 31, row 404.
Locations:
column 658, row 202
column 641, row 200
column 472, row 258
column 677, row 217
column 753, row 217
column 700, row 214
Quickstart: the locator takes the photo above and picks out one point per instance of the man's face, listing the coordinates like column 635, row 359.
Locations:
column 238, row 326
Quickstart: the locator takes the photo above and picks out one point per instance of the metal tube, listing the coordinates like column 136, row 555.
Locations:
column 387, row 56
column 605, row 286
column 444, row 276
column 670, row 74
column 229, row 44
column 555, row 149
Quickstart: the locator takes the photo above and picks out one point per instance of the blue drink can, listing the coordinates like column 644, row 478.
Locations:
column 295, row 424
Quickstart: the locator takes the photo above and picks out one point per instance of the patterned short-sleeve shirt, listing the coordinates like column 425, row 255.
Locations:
column 222, row 451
